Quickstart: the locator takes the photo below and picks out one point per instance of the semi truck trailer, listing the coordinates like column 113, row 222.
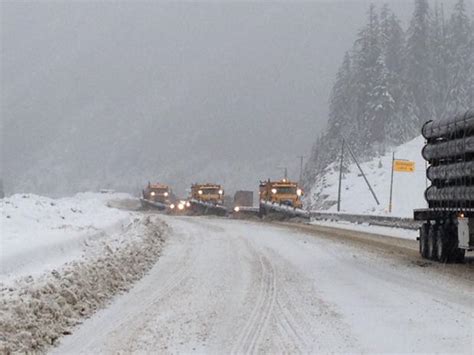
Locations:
column 448, row 228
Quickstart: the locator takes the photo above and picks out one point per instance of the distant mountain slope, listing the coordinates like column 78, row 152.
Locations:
column 408, row 188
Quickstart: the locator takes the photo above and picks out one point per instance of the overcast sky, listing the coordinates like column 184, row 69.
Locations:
column 116, row 93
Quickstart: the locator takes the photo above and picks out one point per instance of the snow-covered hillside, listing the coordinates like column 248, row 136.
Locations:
column 39, row 233
column 408, row 188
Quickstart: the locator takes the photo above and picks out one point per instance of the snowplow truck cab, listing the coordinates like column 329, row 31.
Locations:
column 283, row 192
column 212, row 193
column 157, row 193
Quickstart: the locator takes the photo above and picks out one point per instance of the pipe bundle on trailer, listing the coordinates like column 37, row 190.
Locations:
column 450, row 150
column 461, row 194
column 461, row 124
column 451, row 171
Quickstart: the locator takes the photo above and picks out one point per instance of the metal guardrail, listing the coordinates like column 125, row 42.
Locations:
column 384, row 221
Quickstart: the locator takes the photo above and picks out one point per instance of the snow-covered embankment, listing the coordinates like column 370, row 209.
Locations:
column 63, row 259
column 408, row 188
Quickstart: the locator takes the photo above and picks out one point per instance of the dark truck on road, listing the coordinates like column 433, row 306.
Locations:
column 448, row 228
column 243, row 199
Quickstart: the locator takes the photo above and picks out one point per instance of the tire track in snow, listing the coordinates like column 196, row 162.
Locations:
column 123, row 331
column 288, row 329
column 137, row 321
column 250, row 336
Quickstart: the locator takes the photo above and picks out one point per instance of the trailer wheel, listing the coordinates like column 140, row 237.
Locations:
column 424, row 239
column 459, row 255
column 431, row 243
column 454, row 254
column 442, row 244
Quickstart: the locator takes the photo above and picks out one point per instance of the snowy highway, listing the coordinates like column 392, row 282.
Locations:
column 244, row 287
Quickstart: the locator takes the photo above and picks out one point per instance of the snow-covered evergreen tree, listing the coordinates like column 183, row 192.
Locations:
column 389, row 84
column 418, row 73
column 341, row 120
column 439, row 61
column 380, row 105
column 460, row 64
column 341, row 123
column 400, row 123
column 367, row 51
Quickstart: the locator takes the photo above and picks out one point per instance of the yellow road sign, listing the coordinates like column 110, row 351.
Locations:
column 405, row 166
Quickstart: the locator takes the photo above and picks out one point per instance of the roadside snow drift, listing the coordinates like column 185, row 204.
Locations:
column 408, row 188
column 36, row 312
column 39, row 233
column 62, row 259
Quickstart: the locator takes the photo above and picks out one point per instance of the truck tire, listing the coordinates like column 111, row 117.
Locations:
column 442, row 244
column 454, row 254
column 431, row 242
column 459, row 255
column 424, row 239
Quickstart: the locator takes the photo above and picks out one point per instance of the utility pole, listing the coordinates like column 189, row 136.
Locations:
column 340, row 178
column 362, row 172
column 391, row 185
column 301, row 168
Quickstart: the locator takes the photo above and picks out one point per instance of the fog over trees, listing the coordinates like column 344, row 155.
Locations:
column 393, row 80
column 113, row 94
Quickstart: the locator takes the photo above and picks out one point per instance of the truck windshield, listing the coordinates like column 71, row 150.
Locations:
column 286, row 190
column 210, row 191
column 159, row 191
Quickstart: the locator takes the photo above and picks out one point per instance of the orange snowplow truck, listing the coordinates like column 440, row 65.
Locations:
column 212, row 193
column 157, row 193
column 283, row 192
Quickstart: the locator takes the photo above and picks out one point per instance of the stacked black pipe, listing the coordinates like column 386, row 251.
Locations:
column 450, row 152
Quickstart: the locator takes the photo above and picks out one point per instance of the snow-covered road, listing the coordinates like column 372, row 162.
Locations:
column 235, row 286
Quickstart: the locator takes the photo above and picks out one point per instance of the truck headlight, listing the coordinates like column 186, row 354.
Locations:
column 180, row 207
column 200, row 192
column 274, row 191
column 166, row 194
column 152, row 193
column 221, row 192
column 299, row 192
column 236, row 208
column 172, row 206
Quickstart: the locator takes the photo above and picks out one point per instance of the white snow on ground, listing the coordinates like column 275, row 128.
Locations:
column 224, row 286
column 36, row 311
column 408, row 188
column 371, row 229
column 39, row 233
column 62, row 259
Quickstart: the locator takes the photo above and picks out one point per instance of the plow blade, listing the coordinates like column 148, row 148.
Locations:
column 246, row 212
column 206, row 208
column 153, row 204
column 281, row 212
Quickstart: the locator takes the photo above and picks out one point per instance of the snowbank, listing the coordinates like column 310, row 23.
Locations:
column 370, row 229
column 36, row 312
column 408, row 188
column 39, row 233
